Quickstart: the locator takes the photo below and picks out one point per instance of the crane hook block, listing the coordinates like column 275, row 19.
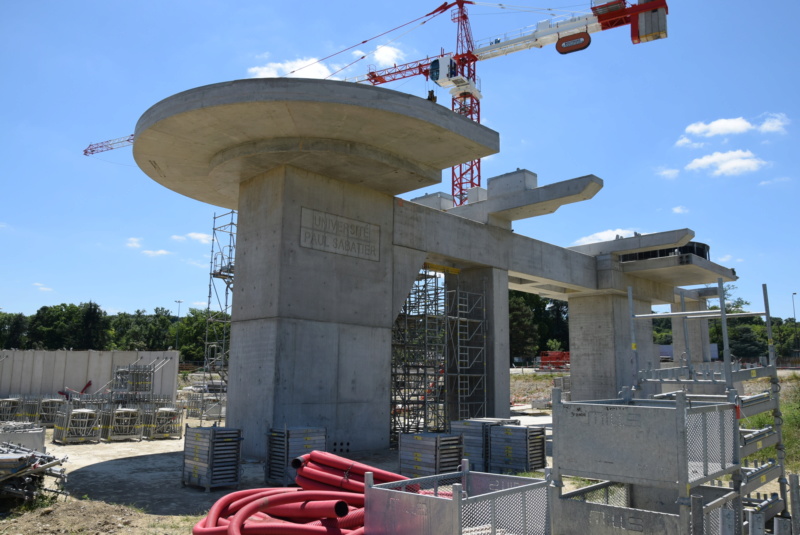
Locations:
column 573, row 43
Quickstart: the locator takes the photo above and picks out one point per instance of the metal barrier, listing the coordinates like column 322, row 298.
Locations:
column 458, row 503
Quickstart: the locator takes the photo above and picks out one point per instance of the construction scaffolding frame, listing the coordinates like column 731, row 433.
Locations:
column 438, row 355
column 466, row 353
column 220, row 301
column 418, row 359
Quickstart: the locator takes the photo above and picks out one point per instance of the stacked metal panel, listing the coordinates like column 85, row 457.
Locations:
column 120, row 423
column 212, row 457
column 517, row 448
column 76, row 425
column 425, row 454
column 163, row 422
column 9, row 407
column 476, row 439
column 48, row 409
column 285, row 444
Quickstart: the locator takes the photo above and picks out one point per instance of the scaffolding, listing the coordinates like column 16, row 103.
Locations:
column 438, row 356
column 220, row 298
column 418, row 359
column 466, row 355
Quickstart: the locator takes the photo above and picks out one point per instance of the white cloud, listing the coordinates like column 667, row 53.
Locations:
column 720, row 127
column 199, row 304
column 774, row 181
column 199, row 236
column 669, row 174
column 3, row 225
column 734, row 162
column 178, row 238
column 42, row 287
column 160, row 252
column 383, row 56
column 774, row 123
column 134, row 242
column 605, row 235
column 684, row 141
column 680, row 210
column 299, row 68
column 726, row 258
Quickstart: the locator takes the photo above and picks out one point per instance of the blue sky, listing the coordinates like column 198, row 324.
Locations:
column 699, row 130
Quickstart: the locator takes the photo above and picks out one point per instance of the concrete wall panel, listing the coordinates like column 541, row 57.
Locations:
column 46, row 372
column 251, row 383
column 37, row 375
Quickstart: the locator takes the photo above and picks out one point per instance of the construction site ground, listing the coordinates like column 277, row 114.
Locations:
column 135, row 487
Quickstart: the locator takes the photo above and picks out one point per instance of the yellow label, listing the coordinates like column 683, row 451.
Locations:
column 758, row 444
column 753, row 373
column 763, row 479
column 633, row 346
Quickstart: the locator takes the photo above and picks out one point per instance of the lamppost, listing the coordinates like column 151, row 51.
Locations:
column 797, row 349
column 178, row 326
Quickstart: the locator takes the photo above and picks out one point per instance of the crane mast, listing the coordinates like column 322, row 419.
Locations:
column 456, row 71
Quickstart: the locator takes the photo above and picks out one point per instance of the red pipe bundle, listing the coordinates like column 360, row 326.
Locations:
column 330, row 501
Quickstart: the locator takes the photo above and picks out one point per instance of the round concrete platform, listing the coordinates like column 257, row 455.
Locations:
column 204, row 142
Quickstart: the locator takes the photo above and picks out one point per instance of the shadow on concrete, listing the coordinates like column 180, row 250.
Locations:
column 153, row 484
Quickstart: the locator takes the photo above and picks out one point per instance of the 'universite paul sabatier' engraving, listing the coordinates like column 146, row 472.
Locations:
column 340, row 235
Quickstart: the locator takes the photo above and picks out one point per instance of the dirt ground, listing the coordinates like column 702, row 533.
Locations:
column 135, row 488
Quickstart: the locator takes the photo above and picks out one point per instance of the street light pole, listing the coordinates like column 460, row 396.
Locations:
column 178, row 326
column 797, row 349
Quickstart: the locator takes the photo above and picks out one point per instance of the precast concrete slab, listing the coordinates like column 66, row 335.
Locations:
column 203, row 142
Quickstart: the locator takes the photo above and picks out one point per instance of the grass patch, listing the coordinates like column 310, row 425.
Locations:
column 790, row 412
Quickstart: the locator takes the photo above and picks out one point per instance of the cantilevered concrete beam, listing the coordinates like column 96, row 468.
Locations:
column 516, row 196
column 638, row 243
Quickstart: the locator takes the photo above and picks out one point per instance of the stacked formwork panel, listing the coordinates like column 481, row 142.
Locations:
column 286, row 444
column 476, row 433
column 48, row 410
column 9, row 408
column 517, row 448
column 212, row 457
column 425, row 454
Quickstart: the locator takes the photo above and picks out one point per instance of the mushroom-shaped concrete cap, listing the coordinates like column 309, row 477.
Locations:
column 204, row 142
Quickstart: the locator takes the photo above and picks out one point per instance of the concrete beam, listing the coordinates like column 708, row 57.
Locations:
column 515, row 196
column 638, row 243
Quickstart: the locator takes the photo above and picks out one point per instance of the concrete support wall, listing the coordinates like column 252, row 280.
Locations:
column 46, row 372
column 602, row 360
column 311, row 326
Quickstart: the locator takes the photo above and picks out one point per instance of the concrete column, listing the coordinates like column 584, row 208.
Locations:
column 602, row 360
column 312, row 315
column 696, row 332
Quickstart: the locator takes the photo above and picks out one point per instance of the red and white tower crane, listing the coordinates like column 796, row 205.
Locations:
column 456, row 71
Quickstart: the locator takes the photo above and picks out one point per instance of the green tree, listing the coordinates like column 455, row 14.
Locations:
column 13, row 331
column 523, row 336
column 191, row 332
column 54, row 327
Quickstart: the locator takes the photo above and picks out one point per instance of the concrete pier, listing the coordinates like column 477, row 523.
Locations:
column 326, row 254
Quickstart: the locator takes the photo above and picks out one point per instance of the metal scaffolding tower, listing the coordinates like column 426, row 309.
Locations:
column 438, row 356
column 220, row 295
column 466, row 354
column 418, row 359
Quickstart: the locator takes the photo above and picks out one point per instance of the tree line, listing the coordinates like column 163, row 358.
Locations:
column 87, row 326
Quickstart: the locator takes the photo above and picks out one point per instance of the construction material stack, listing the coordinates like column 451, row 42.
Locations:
column 286, row 444
column 476, row 437
column 212, row 457
column 74, row 426
column 517, row 448
column 425, row 454
column 23, row 471
column 120, row 423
